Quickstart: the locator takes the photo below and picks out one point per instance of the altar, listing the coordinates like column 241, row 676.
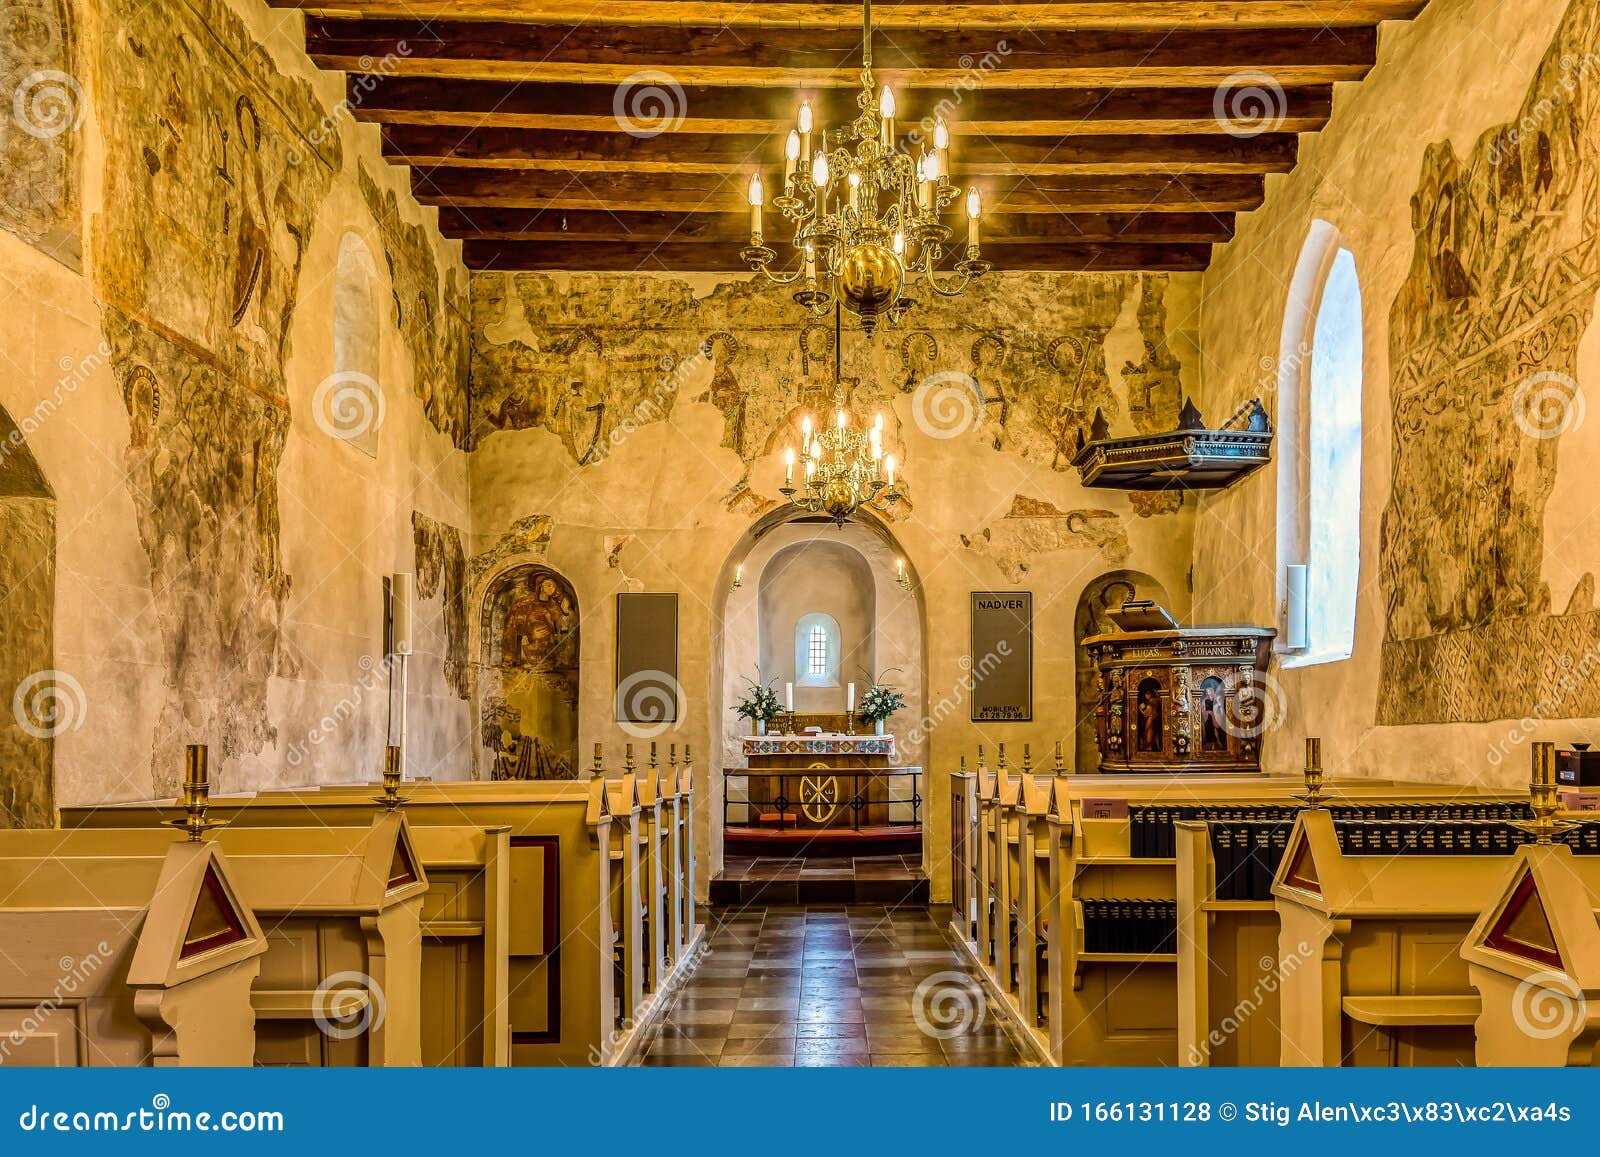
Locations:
column 822, row 788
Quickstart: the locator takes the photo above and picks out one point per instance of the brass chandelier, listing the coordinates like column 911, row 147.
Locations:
column 865, row 215
column 843, row 468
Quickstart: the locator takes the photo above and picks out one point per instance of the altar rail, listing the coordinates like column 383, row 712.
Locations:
column 799, row 800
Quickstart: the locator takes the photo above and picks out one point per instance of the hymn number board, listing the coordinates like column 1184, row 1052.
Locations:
column 1001, row 658
column 647, row 658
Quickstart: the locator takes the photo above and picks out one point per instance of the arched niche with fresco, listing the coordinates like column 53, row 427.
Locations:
column 528, row 678
column 1102, row 596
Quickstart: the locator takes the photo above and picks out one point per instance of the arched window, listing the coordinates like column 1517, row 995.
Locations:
column 1319, row 453
column 816, row 650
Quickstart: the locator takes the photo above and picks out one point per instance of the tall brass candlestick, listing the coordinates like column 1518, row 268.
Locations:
column 1060, row 767
column 599, row 763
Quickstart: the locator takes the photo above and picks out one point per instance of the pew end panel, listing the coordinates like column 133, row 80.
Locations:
column 1376, row 940
column 1533, row 956
column 124, row 948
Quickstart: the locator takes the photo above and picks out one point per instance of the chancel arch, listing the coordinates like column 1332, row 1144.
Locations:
column 528, row 676
column 37, row 701
column 794, row 573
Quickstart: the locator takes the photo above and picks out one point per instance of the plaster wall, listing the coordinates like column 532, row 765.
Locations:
column 1462, row 174
column 167, row 276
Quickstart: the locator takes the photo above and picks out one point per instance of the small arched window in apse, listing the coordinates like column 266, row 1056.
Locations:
column 349, row 404
column 816, row 650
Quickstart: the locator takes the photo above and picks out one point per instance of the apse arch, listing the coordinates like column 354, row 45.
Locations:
column 529, row 647
column 898, row 639
column 38, row 702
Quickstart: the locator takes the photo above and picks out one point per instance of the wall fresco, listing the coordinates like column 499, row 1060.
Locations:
column 1484, row 341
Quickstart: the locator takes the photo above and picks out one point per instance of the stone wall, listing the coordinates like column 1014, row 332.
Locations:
column 1464, row 176
column 221, row 540
column 628, row 432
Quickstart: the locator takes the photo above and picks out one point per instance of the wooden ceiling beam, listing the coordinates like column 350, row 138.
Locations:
column 888, row 15
column 733, row 229
column 785, row 57
column 712, row 109
column 586, row 256
column 426, row 146
column 691, row 193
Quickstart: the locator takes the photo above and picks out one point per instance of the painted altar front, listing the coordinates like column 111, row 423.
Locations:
column 801, row 750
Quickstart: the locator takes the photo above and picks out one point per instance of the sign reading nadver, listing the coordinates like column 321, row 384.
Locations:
column 1002, row 656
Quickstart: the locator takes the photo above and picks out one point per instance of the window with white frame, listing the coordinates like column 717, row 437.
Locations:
column 1319, row 452
column 816, row 650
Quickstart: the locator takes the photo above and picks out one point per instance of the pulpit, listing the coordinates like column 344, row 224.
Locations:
column 1180, row 699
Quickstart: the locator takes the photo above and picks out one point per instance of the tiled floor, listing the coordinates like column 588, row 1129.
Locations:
column 839, row 986
column 823, row 867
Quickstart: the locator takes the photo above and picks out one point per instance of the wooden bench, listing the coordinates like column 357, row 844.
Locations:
column 124, row 948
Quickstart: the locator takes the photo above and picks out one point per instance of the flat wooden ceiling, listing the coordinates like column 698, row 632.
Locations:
column 1098, row 130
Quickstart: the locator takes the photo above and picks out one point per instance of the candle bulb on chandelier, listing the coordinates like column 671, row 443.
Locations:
column 791, row 156
column 925, row 177
column 974, row 208
column 756, row 196
column 819, row 170
column 899, row 242
column 805, row 128
column 842, row 419
column 855, row 189
column 888, row 470
column 788, row 467
column 886, row 109
column 941, row 149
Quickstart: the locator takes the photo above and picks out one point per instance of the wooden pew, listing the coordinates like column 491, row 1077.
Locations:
column 964, row 844
column 557, row 938
column 124, row 948
column 341, row 983
column 1378, row 978
column 1104, row 1005
column 627, row 897
column 1533, row 954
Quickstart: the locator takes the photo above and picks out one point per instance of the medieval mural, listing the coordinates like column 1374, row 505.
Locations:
column 39, row 135
column 198, row 257
column 431, row 318
column 1020, row 363
column 1033, row 528
column 1484, row 338
column 442, row 570
column 528, row 676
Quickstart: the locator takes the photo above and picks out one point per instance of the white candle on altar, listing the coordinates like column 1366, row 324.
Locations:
column 850, row 706
column 788, row 697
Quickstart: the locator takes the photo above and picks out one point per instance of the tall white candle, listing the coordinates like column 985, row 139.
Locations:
column 850, row 706
column 788, row 696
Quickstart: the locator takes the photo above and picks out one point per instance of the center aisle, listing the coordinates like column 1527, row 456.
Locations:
column 837, row 986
